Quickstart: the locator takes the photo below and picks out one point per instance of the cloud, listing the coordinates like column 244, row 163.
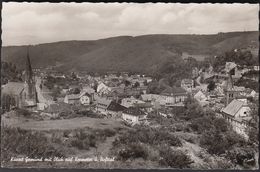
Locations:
column 33, row 23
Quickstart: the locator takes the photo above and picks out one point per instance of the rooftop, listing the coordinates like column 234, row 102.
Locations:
column 233, row 107
column 174, row 91
column 14, row 88
column 73, row 96
column 134, row 111
column 113, row 106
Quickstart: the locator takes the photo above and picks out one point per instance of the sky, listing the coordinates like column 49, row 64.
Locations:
column 34, row 23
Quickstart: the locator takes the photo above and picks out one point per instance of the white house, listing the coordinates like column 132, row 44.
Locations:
column 103, row 89
column 133, row 115
column 200, row 97
column 237, row 113
column 82, row 98
column 85, row 98
column 174, row 95
column 256, row 68
column 169, row 97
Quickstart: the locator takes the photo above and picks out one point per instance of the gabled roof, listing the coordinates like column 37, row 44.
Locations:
column 13, row 88
column 103, row 101
column 84, row 93
column 134, row 111
column 233, row 107
column 113, row 106
column 174, row 91
column 89, row 90
column 73, row 96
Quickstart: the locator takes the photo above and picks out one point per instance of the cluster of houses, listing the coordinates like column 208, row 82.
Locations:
column 130, row 103
column 113, row 97
column 125, row 97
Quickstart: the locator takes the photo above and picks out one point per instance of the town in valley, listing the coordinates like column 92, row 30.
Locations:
column 184, row 111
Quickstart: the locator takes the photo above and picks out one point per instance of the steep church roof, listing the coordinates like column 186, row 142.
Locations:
column 28, row 69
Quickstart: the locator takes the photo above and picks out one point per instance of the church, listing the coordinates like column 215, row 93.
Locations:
column 22, row 94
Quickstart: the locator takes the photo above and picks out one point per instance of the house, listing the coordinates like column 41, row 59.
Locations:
column 145, row 106
column 174, row 95
column 115, row 110
column 200, row 97
column 155, row 99
column 256, row 68
column 90, row 91
column 103, row 89
column 130, row 102
column 72, row 99
column 229, row 66
column 187, row 84
column 83, row 98
column 115, row 94
column 237, row 113
column 102, row 105
column 133, row 115
column 234, row 69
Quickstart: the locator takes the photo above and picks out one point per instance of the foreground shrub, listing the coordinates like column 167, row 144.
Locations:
column 174, row 158
column 218, row 143
column 132, row 151
column 23, row 112
column 148, row 136
column 15, row 141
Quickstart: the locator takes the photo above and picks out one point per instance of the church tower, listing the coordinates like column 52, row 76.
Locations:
column 30, row 90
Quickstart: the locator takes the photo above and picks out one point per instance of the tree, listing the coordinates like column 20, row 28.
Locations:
column 127, row 83
column 7, row 101
column 137, row 84
column 174, row 158
column 145, row 82
column 211, row 86
column 221, row 124
column 74, row 76
column 253, row 128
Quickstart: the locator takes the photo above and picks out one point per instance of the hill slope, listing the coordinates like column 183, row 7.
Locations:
column 126, row 53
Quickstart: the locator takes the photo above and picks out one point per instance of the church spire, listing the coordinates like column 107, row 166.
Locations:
column 28, row 68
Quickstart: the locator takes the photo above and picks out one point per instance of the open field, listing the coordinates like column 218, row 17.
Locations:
column 63, row 124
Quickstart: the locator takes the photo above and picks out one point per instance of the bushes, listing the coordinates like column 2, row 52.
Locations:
column 15, row 141
column 23, row 112
column 145, row 141
column 83, row 140
column 133, row 151
column 201, row 124
column 174, row 158
column 218, row 143
column 149, row 136
column 90, row 114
